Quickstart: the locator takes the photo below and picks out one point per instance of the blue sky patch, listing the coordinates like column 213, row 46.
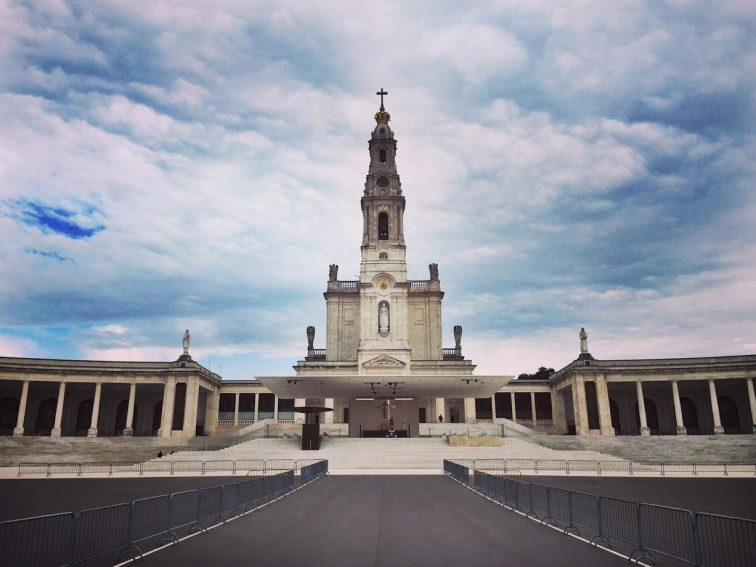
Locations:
column 57, row 219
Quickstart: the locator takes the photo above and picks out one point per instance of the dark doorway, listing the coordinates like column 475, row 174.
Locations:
column 728, row 414
column 346, row 415
column 422, row 415
column 84, row 416
column 690, row 416
column 591, row 403
column 504, row 406
column 543, row 405
column 178, row 407
column 652, row 417
column 522, row 406
column 483, row 408
column 121, row 415
column 614, row 412
column 46, row 416
column 157, row 417
column 8, row 415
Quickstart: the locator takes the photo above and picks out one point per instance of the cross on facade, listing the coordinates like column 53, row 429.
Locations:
column 381, row 93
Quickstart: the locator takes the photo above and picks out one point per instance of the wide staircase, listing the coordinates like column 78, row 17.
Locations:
column 349, row 454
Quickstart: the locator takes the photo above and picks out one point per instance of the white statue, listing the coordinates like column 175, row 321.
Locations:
column 383, row 319
column 583, row 340
column 187, row 341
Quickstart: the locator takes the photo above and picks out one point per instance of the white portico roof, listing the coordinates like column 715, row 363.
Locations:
column 376, row 386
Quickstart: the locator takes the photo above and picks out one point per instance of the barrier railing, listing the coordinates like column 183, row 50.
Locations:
column 73, row 538
column 695, row 539
column 613, row 467
column 253, row 467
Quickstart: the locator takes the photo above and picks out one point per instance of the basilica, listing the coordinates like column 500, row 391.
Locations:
column 384, row 370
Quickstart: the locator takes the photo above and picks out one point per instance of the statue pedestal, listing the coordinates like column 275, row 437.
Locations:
column 645, row 431
column 92, row 432
column 128, row 432
column 681, row 430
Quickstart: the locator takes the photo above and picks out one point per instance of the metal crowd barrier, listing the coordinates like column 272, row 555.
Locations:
column 253, row 467
column 73, row 538
column 457, row 471
column 695, row 539
column 615, row 466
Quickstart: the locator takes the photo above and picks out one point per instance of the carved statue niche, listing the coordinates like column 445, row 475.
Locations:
column 310, row 337
column 458, row 336
column 333, row 272
column 383, row 318
column 433, row 268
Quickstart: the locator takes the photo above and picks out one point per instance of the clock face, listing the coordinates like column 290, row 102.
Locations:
column 382, row 181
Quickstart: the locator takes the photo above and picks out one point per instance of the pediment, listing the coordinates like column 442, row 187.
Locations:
column 384, row 361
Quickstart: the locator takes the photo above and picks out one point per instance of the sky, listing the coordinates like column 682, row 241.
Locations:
column 171, row 165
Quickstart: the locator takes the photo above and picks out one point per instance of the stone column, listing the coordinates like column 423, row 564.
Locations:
column 752, row 402
column 514, row 407
column 558, row 412
column 470, row 416
column 579, row 406
column 211, row 411
column 236, row 409
column 275, row 408
column 678, row 410
column 533, row 408
column 190, row 407
column 440, row 410
column 92, row 431
column 128, row 431
column 19, row 429
column 644, row 430
column 604, row 410
column 493, row 408
column 718, row 429
column 59, row 410
column 169, row 398
column 257, row 407
column 329, row 414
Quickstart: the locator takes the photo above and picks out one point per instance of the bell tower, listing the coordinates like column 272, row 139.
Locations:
column 383, row 249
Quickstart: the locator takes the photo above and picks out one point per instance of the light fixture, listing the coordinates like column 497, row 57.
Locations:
column 364, row 399
column 404, row 399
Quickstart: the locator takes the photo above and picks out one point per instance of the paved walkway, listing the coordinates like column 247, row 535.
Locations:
column 383, row 521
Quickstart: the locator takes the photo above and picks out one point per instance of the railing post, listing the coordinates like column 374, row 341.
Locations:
column 233, row 468
column 631, row 468
column 78, row 470
column 694, row 470
column 567, row 467
column 172, row 463
column 661, row 468
column 535, row 466
column 110, row 469
column 725, row 469
column 141, row 469
column 598, row 467
column 48, row 469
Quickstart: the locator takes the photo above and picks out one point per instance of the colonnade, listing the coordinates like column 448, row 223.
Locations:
column 604, row 412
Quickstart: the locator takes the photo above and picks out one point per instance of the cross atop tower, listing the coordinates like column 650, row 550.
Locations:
column 381, row 93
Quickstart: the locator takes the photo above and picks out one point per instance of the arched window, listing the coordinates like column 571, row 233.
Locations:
column 383, row 256
column 728, row 412
column 46, row 416
column 383, row 226
column 689, row 415
column 382, row 156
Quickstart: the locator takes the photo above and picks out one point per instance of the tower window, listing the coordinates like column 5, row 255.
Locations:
column 382, row 156
column 383, row 256
column 383, row 226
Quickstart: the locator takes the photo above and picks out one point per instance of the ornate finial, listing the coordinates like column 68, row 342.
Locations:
column 382, row 117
